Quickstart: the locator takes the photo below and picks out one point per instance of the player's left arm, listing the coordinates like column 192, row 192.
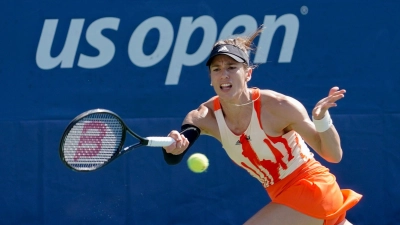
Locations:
column 325, row 142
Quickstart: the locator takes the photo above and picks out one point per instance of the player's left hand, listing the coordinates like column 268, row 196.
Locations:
column 324, row 104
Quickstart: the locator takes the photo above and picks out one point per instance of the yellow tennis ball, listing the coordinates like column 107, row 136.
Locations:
column 197, row 162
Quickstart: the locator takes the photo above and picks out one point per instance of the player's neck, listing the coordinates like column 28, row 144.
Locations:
column 234, row 113
column 240, row 99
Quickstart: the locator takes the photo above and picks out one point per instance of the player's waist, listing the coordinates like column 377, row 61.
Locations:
column 305, row 170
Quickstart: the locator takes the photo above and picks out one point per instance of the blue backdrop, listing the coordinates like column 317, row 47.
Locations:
column 145, row 60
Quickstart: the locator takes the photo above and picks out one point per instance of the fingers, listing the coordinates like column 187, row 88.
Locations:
column 336, row 93
column 180, row 144
column 336, row 96
column 333, row 90
column 322, row 106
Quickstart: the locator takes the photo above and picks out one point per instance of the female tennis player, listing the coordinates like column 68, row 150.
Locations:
column 265, row 132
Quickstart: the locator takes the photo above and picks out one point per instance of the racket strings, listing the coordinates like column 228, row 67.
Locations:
column 93, row 141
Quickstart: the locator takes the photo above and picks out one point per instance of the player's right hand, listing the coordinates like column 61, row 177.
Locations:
column 180, row 145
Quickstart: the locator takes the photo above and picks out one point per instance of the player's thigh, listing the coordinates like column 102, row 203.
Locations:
column 277, row 214
column 345, row 222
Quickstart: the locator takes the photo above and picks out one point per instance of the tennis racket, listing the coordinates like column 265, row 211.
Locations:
column 95, row 138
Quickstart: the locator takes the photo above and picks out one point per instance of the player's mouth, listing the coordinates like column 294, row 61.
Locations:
column 225, row 87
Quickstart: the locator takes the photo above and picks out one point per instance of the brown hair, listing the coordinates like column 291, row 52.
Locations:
column 245, row 43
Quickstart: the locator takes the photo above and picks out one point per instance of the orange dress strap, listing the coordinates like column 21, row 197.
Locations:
column 217, row 104
column 257, row 104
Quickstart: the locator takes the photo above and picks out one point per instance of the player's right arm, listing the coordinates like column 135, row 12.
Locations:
column 196, row 122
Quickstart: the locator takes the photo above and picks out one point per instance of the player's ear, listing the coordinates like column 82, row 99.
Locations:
column 248, row 74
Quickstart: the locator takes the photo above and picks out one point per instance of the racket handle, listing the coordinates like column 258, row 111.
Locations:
column 159, row 141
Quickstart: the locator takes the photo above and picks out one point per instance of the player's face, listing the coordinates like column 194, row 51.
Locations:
column 228, row 77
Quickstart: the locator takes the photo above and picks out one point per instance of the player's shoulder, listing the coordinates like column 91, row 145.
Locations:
column 274, row 100
column 203, row 117
column 272, row 97
column 203, row 112
column 209, row 104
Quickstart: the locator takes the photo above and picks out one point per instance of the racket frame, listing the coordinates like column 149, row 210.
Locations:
column 120, row 150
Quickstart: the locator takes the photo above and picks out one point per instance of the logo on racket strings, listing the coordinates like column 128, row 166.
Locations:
column 90, row 141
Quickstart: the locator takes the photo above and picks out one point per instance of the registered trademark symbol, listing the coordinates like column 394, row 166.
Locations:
column 304, row 10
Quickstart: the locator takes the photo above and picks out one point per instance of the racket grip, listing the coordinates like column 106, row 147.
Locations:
column 159, row 141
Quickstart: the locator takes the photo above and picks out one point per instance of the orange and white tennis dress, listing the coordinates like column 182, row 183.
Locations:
column 286, row 168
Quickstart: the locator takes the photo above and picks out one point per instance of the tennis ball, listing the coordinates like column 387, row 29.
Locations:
column 197, row 162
